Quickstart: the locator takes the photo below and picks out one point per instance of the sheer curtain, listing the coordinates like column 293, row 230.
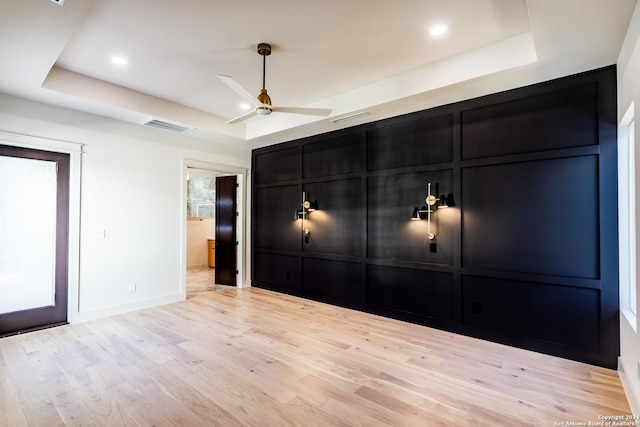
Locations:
column 27, row 233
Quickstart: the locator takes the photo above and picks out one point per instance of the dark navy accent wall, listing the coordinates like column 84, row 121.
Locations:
column 528, row 256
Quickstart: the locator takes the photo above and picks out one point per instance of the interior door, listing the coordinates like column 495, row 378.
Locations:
column 226, row 246
column 34, row 228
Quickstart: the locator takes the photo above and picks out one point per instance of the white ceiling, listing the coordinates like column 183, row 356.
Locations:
column 349, row 56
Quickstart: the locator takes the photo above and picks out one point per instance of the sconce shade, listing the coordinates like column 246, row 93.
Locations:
column 416, row 214
column 313, row 205
column 443, row 202
column 447, row 201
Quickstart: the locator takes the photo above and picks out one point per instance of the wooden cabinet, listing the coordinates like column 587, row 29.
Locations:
column 212, row 252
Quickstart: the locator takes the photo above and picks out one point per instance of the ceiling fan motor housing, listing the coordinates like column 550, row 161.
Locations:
column 264, row 98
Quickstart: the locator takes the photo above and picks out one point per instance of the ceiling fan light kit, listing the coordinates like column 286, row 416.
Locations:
column 262, row 102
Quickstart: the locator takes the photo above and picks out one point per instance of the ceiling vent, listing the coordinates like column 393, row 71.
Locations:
column 60, row 2
column 350, row 117
column 162, row 124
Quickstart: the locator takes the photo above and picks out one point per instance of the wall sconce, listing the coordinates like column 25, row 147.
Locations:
column 426, row 211
column 307, row 206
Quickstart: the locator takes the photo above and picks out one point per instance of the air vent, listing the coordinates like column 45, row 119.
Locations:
column 60, row 2
column 350, row 117
column 162, row 124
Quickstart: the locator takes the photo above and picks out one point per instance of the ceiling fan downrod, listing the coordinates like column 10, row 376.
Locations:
column 264, row 49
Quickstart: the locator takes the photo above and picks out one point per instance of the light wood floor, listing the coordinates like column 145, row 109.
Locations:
column 201, row 280
column 251, row 357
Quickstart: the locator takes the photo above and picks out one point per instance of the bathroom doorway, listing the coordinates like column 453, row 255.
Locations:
column 213, row 218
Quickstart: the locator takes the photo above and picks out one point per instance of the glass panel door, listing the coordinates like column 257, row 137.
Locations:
column 34, row 188
column 27, row 233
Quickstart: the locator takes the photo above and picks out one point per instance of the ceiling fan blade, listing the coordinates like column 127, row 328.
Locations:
column 245, row 116
column 235, row 86
column 308, row 111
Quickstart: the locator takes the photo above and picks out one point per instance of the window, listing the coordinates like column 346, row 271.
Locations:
column 627, row 216
column 201, row 193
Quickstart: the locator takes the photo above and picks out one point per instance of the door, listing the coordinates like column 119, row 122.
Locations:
column 34, row 228
column 225, row 253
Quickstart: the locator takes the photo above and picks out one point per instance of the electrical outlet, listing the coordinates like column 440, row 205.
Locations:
column 639, row 370
column 100, row 234
column 132, row 287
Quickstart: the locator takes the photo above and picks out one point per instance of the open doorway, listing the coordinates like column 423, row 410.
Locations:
column 213, row 249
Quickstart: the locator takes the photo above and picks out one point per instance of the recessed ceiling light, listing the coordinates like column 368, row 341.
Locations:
column 119, row 60
column 438, row 30
column 245, row 106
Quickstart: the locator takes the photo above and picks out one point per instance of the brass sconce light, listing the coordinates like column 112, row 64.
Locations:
column 426, row 211
column 307, row 206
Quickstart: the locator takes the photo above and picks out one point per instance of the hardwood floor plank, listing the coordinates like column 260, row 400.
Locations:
column 173, row 410
column 189, row 394
column 137, row 405
column 251, row 357
column 38, row 406
column 11, row 413
column 354, row 416
column 72, row 410
column 104, row 407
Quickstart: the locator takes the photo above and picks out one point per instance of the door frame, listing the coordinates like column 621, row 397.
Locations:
column 74, row 150
column 241, row 226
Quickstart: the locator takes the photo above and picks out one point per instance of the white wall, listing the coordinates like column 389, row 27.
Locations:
column 132, row 188
column 628, row 92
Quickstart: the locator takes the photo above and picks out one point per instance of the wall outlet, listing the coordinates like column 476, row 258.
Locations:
column 132, row 287
column 639, row 370
column 100, row 234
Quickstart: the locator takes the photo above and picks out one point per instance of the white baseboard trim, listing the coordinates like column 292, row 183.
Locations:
column 84, row 316
column 632, row 398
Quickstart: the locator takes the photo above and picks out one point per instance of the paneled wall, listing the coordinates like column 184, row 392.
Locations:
column 528, row 254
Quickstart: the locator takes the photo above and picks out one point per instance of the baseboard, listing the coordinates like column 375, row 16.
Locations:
column 632, row 397
column 84, row 316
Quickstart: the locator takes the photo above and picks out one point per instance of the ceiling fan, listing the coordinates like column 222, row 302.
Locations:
column 262, row 102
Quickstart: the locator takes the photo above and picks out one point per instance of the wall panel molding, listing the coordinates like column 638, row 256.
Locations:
column 526, row 257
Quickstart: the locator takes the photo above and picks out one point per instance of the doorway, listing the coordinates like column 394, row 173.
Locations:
column 34, row 230
column 213, row 245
